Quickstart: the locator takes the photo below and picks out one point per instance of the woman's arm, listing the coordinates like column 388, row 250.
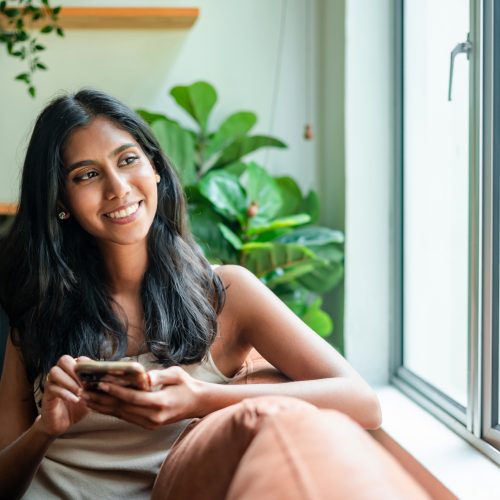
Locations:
column 252, row 317
column 322, row 376
column 21, row 441
column 24, row 436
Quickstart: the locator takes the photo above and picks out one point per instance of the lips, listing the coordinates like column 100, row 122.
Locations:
column 124, row 212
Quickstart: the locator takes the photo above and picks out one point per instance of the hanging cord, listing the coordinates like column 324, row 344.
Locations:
column 277, row 73
column 308, row 131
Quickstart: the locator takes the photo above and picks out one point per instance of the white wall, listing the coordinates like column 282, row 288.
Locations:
column 233, row 44
column 369, row 110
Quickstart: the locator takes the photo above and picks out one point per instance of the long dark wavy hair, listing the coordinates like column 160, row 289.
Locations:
column 52, row 277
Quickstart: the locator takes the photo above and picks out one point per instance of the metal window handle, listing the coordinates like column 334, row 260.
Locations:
column 464, row 47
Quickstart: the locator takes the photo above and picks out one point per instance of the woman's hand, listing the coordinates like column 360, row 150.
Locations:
column 62, row 405
column 179, row 398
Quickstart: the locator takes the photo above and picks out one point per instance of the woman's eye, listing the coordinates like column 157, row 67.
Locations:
column 86, row 176
column 129, row 160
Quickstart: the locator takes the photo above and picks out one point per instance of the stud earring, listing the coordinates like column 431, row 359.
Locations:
column 62, row 215
column 158, row 178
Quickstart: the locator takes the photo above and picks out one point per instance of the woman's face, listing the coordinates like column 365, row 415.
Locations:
column 110, row 185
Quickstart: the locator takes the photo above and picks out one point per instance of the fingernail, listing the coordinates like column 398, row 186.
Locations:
column 103, row 387
column 75, row 398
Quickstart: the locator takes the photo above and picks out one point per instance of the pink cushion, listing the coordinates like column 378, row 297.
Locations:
column 274, row 447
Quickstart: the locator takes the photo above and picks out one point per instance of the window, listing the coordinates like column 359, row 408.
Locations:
column 449, row 277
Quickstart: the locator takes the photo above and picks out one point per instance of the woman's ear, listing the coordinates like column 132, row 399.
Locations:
column 62, row 212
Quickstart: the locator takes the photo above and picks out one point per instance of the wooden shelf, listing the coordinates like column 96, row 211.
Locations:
column 140, row 18
column 8, row 208
column 127, row 17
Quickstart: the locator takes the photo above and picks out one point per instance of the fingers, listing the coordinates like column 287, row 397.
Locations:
column 62, row 382
column 149, row 416
column 167, row 376
column 145, row 420
column 122, row 394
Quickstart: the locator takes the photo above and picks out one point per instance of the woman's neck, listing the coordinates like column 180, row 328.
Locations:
column 125, row 265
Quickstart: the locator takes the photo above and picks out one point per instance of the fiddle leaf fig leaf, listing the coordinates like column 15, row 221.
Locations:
column 323, row 278
column 198, row 100
column 317, row 319
column 311, row 205
column 178, row 145
column 326, row 244
column 150, row 117
column 245, row 145
column 293, row 220
column 263, row 193
column 235, row 126
column 313, row 237
column 230, row 236
column 288, row 275
column 264, row 258
column 291, row 196
column 204, row 222
column 225, row 193
column 237, row 168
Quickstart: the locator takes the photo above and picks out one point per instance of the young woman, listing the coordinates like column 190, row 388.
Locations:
column 99, row 263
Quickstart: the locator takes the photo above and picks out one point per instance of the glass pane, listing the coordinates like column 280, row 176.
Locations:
column 436, row 192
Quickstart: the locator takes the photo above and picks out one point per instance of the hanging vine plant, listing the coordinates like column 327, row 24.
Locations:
column 21, row 22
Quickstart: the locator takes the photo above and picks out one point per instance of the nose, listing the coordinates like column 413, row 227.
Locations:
column 117, row 186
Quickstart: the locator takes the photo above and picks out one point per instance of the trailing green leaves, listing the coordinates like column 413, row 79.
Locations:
column 18, row 36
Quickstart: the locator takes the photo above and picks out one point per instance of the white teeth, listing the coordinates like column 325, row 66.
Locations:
column 119, row 214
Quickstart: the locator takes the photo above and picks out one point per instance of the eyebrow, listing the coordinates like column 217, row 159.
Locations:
column 113, row 153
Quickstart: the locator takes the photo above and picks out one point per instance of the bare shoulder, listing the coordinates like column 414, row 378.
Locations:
column 231, row 271
column 243, row 290
column 261, row 320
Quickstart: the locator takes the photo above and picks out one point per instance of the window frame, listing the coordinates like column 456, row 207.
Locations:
column 473, row 423
column 491, row 220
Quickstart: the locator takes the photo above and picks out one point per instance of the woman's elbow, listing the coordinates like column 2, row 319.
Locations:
column 372, row 412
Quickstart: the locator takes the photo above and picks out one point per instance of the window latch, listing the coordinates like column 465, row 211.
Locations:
column 460, row 48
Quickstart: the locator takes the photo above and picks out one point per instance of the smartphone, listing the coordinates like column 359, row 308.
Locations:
column 124, row 373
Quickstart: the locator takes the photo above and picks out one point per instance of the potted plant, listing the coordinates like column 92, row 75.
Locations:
column 239, row 213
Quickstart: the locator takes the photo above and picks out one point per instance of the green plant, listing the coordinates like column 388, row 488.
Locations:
column 16, row 32
column 241, row 214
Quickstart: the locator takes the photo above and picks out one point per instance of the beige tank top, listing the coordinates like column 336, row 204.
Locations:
column 103, row 457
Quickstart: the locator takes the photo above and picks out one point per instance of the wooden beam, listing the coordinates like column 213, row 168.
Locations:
column 8, row 208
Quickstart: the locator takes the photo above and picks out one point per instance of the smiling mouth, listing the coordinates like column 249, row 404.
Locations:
column 125, row 212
